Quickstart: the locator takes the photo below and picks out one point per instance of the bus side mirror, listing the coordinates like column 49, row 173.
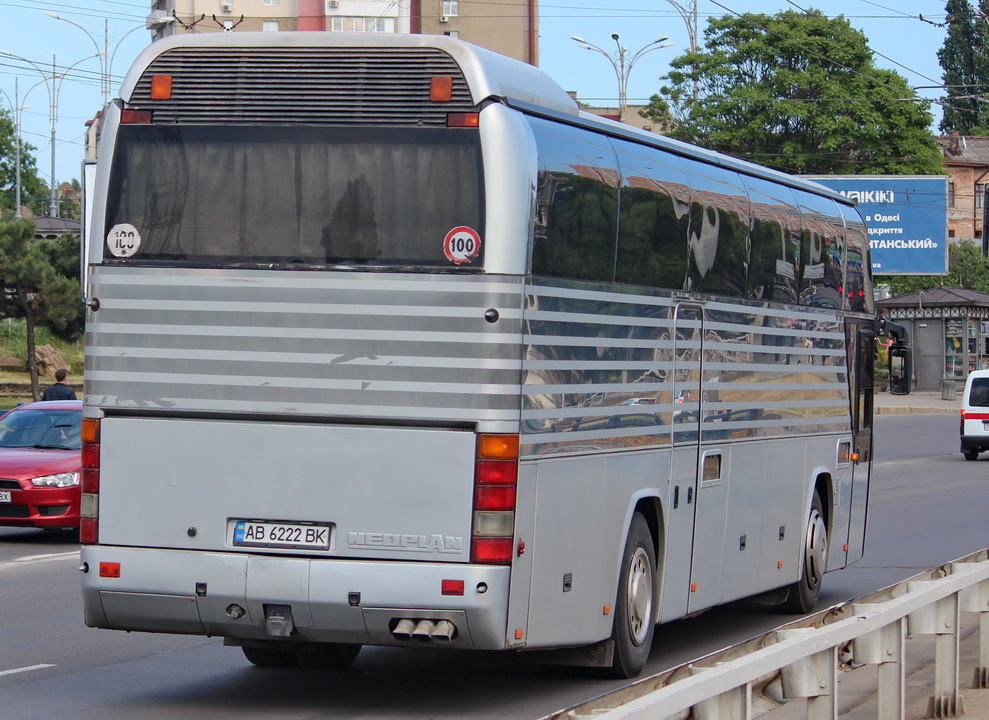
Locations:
column 900, row 369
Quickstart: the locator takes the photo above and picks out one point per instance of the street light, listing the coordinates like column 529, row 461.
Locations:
column 106, row 57
column 689, row 16
column 16, row 110
column 622, row 63
column 54, row 86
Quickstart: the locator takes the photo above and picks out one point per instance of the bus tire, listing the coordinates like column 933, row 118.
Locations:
column 802, row 595
column 327, row 656
column 270, row 657
column 635, row 618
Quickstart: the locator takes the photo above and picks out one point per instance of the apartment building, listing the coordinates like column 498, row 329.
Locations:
column 509, row 27
column 966, row 161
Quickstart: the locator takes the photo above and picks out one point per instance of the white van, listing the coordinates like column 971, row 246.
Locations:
column 974, row 426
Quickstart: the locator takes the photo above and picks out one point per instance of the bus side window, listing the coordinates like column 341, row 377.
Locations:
column 653, row 219
column 775, row 240
column 577, row 204
column 718, row 238
column 858, row 276
column 822, row 251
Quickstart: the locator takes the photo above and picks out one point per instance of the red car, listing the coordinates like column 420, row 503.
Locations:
column 40, row 464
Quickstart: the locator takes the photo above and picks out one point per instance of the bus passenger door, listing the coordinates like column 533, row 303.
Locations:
column 861, row 340
column 688, row 334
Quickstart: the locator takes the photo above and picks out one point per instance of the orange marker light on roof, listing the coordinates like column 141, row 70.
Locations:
column 441, row 88
column 161, row 87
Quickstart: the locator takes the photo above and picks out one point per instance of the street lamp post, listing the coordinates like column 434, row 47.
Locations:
column 54, row 85
column 16, row 110
column 689, row 16
column 622, row 63
column 106, row 57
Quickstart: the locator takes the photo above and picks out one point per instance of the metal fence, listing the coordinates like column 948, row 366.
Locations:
column 804, row 659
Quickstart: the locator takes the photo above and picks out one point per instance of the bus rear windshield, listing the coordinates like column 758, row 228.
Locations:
column 307, row 196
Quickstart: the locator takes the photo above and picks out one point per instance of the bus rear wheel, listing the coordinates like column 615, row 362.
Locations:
column 327, row 656
column 270, row 657
column 635, row 620
column 802, row 595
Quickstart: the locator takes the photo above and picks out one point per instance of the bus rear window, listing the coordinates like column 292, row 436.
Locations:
column 309, row 196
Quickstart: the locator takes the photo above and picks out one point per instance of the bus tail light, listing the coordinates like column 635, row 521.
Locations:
column 468, row 119
column 496, row 473
column 90, row 482
column 135, row 117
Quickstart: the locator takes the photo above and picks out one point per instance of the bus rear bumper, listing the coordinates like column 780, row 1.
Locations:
column 329, row 600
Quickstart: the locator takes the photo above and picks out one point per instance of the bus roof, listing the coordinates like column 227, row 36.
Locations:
column 488, row 75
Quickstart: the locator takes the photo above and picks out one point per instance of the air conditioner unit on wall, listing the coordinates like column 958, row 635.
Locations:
column 444, row 18
column 226, row 5
column 333, row 4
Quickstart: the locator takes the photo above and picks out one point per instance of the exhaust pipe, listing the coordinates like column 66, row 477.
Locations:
column 403, row 631
column 424, row 630
column 444, row 631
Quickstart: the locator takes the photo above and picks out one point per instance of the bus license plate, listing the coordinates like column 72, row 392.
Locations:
column 285, row 535
column 5, row 496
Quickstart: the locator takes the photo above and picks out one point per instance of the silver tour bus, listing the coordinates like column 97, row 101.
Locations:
column 390, row 344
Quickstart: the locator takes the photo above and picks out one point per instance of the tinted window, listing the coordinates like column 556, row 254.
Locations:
column 822, row 249
column 653, row 219
column 858, row 270
column 301, row 195
column 38, row 428
column 775, row 241
column 719, row 230
column 577, row 202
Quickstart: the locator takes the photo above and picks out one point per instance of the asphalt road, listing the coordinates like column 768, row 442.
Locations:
column 928, row 507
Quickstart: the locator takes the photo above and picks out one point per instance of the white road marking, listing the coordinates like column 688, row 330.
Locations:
column 25, row 669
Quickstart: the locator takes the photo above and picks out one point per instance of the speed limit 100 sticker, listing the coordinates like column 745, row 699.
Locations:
column 123, row 240
column 461, row 244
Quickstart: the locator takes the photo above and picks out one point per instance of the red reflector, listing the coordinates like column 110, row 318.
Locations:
column 491, row 550
column 497, row 472
column 90, row 481
column 453, row 587
column 90, row 455
column 161, row 87
column 463, row 119
column 135, row 117
column 110, row 570
column 88, row 530
column 497, row 497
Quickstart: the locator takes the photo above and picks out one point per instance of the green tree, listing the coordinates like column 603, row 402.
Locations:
column 966, row 66
column 33, row 191
column 798, row 92
column 967, row 269
column 34, row 288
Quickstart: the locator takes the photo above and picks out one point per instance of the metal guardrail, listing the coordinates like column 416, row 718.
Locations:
column 803, row 659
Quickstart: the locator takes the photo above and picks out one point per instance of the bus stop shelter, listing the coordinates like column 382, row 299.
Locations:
column 949, row 331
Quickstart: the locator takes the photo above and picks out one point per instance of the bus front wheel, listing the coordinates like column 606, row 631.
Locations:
column 635, row 619
column 803, row 594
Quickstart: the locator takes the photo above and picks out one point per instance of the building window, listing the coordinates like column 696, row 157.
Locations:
column 451, row 8
column 363, row 24
column 980, row 193
column 951, row 234
column 269, row 26
column 951, row 194
column 452, row 33
column 270, row 2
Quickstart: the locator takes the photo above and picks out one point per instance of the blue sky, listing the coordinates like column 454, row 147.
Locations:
column 896, row 34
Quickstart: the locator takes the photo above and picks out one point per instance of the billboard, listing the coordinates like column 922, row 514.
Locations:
column 907, row 218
